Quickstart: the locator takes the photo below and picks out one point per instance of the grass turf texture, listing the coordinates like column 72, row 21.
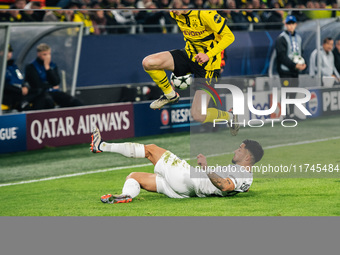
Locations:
column 79, row 195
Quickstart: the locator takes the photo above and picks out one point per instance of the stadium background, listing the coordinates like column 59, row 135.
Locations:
column 105, row 74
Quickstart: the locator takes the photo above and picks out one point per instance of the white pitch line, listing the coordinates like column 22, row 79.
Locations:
column 149, row 164
column 76, row 174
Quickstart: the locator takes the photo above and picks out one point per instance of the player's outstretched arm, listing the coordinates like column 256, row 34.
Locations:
column 223, row 184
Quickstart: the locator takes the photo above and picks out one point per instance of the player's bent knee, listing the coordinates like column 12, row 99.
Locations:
column 150, row 63
column 131, row 175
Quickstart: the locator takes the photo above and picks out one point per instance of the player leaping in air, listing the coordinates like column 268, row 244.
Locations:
column 172, row 175
column 206, row 35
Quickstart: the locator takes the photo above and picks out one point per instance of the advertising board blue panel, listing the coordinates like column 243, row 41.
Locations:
column 314, row 106
column 171, row 118
column 12, row 133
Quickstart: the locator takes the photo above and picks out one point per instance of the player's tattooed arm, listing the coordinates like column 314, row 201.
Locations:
column 223, row 184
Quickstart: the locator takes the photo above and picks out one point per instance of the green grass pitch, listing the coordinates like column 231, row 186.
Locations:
column 313, row 141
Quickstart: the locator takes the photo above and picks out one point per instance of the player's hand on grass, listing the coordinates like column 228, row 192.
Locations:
column 201, row 58
column 202, row 161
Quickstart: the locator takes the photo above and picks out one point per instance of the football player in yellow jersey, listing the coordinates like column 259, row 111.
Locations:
column 206, row 35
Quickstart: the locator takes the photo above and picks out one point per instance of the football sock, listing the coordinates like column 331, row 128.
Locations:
column 130, row 150
column 131, row 187
column 160, row 78
column 213, row 114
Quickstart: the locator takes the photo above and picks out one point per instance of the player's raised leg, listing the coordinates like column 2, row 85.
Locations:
column 136, row 180
column 212, row 114
column 131, row 150
column 155, row 65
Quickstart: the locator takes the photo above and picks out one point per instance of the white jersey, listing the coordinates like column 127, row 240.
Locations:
column 177, row 179
column 241, row 178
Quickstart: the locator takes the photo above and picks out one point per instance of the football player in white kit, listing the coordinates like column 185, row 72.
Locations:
column 175, row 178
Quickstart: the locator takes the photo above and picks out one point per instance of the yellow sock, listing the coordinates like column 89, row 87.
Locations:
column 213, row 114
column 160, row 78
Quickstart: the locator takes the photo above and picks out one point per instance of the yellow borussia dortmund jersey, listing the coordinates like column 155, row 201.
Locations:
column 205, row 32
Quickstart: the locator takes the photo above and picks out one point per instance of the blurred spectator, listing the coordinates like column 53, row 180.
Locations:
column 326, row 60
column 16, row 14
column 111, row 23
column 82, row 16
column 125, row 18
column 256, row 4
column 240, row 3
column 176, row 4
column 98, row 19
column 336, row 53
column 4, row 16
column 310, row 5
column 58, row 15
column 19, row 4
column 322, row 5
column 196, row 4
column 163, row 3
column 213, row 4
column 43, row 77
column 111, row 4
column 251, row 16
column 300, row 14
column 186, row 3
column 277, row 17
column 53, row 3
column 154, row 19
column 141, row 3
column 236, row 17
column 129, row 3
column 15, row 88
column 34, row 15
column 316, row 5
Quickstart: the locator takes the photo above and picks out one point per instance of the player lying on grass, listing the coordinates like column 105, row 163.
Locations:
column 175, row 178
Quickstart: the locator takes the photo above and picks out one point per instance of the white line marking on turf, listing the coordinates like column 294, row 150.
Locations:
column 149, row 164
column 76, row 174
column 284, row 145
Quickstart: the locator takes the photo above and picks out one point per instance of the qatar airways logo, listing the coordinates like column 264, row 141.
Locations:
column 239, row 102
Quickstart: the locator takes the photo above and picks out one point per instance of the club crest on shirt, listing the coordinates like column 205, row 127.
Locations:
column 195, row 23
column 217, row 18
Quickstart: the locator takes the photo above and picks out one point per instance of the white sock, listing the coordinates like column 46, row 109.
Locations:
column 131, row 187
column 130, row 150
column 171, row 94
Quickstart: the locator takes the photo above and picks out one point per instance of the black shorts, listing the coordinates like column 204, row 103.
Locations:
column 183, row 66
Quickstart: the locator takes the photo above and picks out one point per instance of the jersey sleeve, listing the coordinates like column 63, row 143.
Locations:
column 218, row 24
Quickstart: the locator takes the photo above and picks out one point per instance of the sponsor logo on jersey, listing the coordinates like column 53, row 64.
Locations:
column 217, row 18
column 193, row 33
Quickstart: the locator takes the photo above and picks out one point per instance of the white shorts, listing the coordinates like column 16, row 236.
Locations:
column 173, row 177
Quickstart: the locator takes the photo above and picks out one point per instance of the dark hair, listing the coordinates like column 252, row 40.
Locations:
column 255, row 149
column 327, row 39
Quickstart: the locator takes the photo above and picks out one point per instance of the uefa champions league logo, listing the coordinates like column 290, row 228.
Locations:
column 239, row 103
